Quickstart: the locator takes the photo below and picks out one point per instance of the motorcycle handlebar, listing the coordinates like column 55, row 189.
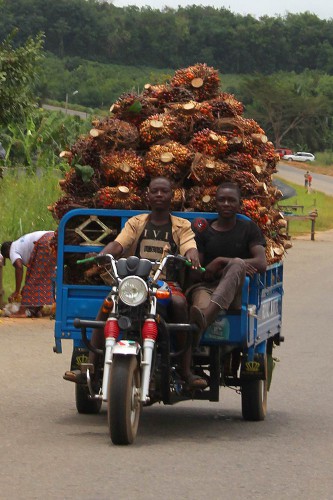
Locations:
column 108, row 258
column 96, row 258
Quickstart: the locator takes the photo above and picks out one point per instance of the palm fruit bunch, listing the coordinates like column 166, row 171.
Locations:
column 161, row 95
column 193, row 116
column 67, row 203
column 117, row 197
column 210, row 143
column 171, row 160
column 252, row 209
column 82, row 181
column 124, row 166
column 85, row 151
column 188, row 130
column 202, row 198
column 133, row 108
column 209, row 171
column 178, row 199
column 202, row 80
column 112, row 134
column 192, row 111
column 226, row 105
column 159, row 127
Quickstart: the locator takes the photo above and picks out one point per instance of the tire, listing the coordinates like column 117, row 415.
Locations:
column 254, row 398
column 123, row 405
column 84, row 404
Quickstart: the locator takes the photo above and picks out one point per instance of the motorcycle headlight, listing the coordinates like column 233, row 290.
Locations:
column 133, row 291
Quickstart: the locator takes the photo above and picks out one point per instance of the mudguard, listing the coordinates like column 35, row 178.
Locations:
column 126, row 348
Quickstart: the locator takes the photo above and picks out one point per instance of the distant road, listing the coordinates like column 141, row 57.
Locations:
column 73, row 112
column 320, row 182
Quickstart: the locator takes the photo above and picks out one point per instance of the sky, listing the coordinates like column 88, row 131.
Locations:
column 322, row 8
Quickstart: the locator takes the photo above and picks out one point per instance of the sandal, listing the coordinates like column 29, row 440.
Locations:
column 75, row 376
column 198, row 318
column 195, row 381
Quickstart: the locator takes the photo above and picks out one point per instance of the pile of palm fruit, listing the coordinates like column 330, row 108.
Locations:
column 189, row 131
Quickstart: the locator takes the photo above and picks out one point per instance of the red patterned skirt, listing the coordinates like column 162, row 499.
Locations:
column 38, row 288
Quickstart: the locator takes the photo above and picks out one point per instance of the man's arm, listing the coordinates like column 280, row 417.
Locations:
column 114, row 248
column 256, row 263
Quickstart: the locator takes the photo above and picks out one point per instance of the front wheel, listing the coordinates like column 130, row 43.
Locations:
column 123, row 403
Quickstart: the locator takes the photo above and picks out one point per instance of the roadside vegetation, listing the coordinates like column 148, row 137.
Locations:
column 313, row 200
column 24, row 200
column 44, row 61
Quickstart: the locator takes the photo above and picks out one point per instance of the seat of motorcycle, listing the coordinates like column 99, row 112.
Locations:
column 133, row 266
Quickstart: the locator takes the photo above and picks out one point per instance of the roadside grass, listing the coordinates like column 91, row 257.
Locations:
column 310, row 200
column 325, row 160
column 24, row 201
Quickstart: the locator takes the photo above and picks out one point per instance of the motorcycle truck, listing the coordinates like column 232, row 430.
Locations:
column 139, row 364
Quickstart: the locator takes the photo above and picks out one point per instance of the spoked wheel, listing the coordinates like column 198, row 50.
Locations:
column 123, row 404
column 254, row 398
column 84, row 404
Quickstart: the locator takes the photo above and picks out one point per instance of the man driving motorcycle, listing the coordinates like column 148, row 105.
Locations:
column 146, row 236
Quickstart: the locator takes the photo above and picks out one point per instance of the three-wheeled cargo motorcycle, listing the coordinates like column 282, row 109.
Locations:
column 140, row 361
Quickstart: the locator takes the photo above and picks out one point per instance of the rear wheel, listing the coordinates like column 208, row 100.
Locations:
column 124, row 404
column 84, row 404
column 254, row 398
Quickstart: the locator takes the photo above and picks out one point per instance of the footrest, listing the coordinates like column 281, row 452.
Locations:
column 87, row 366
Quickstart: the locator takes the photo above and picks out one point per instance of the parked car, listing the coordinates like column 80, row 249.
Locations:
column 283, row 151
column 299, row 156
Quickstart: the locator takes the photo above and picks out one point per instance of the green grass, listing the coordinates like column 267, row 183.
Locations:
column 324, row 158
column 314, row 200
column 24, row 201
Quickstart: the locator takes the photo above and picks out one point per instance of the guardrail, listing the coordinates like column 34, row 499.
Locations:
column 295, row 217
column 291, row 207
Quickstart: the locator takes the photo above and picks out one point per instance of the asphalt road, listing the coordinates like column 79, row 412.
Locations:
column 192, row 450
column 323, row 183
column 73, row 112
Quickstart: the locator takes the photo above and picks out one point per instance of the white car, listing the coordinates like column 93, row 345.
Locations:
column 299, row 156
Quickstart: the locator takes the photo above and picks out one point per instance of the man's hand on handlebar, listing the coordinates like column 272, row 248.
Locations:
column 192, row 255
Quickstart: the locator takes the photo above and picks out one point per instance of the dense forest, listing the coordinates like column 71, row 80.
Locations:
column 99, row 31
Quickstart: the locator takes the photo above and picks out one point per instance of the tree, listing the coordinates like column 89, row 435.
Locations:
column 288, row 106
column 18, row 75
